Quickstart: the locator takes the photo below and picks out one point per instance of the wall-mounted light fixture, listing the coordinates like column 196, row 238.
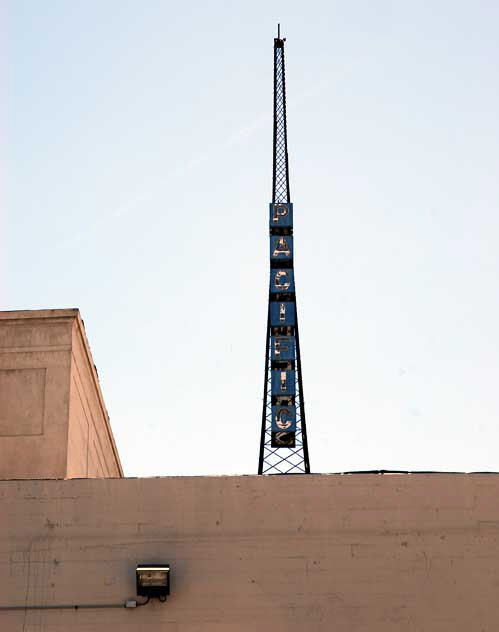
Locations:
column 153, row 580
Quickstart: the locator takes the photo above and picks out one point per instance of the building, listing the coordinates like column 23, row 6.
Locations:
column 356, row 553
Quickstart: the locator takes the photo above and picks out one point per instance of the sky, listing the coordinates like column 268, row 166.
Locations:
column 137, row 177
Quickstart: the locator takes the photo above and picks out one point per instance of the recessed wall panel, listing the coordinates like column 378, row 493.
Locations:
column 22, row 401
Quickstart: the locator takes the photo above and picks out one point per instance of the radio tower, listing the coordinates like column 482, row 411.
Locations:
column 283, row 444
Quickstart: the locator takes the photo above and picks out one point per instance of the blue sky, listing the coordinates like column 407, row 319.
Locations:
column 138, row 180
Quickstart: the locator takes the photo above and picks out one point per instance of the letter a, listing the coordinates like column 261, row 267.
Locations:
column 282, row 248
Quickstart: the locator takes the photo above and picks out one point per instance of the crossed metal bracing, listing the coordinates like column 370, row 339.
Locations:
column 284, row 460
column 280, row 191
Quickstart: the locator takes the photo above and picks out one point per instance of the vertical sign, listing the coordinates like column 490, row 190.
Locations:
column 282, row 326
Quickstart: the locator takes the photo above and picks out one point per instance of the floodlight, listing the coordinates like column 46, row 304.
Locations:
column 153, row 580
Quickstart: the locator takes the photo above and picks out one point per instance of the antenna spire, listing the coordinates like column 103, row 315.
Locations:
column 280, row 177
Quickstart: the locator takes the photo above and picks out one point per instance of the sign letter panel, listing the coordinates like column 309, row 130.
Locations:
column 283, row 382
column 283, row 419
column 281, row 215
column 281, row 248
column 282, row 280
column 282, row 313
column 283, row 348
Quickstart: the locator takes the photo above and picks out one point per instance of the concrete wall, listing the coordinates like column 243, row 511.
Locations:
column 91, row 448
column 53, row 422
column 355, row 553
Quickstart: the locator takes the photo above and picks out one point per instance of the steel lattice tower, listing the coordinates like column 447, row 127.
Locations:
column 283, row 444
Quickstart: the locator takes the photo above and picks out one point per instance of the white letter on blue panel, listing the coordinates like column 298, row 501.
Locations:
column 281, row 248
column 281, row 214
column 283, row 348
column 282, row 280
column 282, row 313
column 283, row 382
column 283, row 418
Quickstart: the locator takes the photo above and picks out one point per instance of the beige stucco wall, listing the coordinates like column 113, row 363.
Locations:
column 354, row 553
column 53, row 421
